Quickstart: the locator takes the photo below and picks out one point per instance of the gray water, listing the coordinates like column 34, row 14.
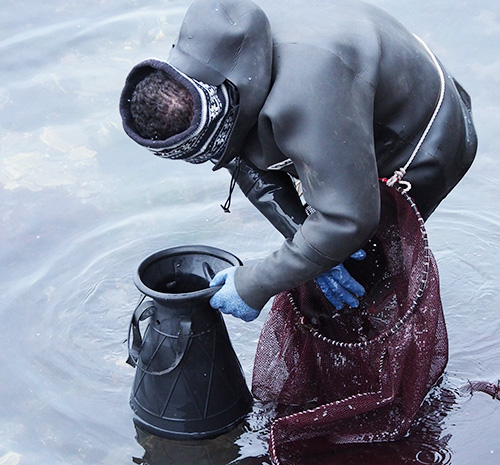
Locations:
column 81, row 206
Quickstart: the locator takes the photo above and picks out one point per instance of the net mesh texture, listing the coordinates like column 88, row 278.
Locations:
column 360, row 374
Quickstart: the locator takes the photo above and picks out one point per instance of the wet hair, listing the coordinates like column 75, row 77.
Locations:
column 160, row 106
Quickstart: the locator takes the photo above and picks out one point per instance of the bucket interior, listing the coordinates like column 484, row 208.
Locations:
column 183, row 270
column 178, row 283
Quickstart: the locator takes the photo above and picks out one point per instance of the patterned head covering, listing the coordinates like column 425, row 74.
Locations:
column 215, row 113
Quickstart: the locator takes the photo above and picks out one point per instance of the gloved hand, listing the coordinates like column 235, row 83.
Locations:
column 339, row 287
column 227, row 299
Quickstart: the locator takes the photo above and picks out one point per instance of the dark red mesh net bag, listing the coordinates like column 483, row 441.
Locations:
column 358, row 375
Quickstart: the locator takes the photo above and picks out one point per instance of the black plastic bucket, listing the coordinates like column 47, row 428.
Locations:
column 188, row 383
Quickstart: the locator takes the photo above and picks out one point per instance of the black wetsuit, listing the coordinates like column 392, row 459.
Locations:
column 337, row 93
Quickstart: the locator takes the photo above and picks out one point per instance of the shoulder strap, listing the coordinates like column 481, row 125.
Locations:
column 398, row 175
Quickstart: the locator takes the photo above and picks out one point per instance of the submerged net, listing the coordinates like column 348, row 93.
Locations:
column 358, row 375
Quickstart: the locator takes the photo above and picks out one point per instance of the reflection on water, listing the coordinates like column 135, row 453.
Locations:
column 81, row 206
column 245, row 445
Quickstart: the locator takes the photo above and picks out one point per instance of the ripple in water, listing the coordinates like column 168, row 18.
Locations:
column 430, row 457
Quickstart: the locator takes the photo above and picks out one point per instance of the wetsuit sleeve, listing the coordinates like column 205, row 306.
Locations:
column 322, row 120
column 273, row 194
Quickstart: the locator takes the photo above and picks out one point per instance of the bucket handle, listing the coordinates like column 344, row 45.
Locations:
column 144, row 310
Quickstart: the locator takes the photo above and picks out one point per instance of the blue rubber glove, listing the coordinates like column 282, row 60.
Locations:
column 227, row 299
column 339, row 286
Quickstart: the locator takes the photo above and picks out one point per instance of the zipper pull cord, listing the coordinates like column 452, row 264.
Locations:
column 232, row 185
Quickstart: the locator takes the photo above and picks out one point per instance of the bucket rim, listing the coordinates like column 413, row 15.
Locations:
column 229, row 257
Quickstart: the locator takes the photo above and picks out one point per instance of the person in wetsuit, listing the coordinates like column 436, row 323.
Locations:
column 334, row 93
